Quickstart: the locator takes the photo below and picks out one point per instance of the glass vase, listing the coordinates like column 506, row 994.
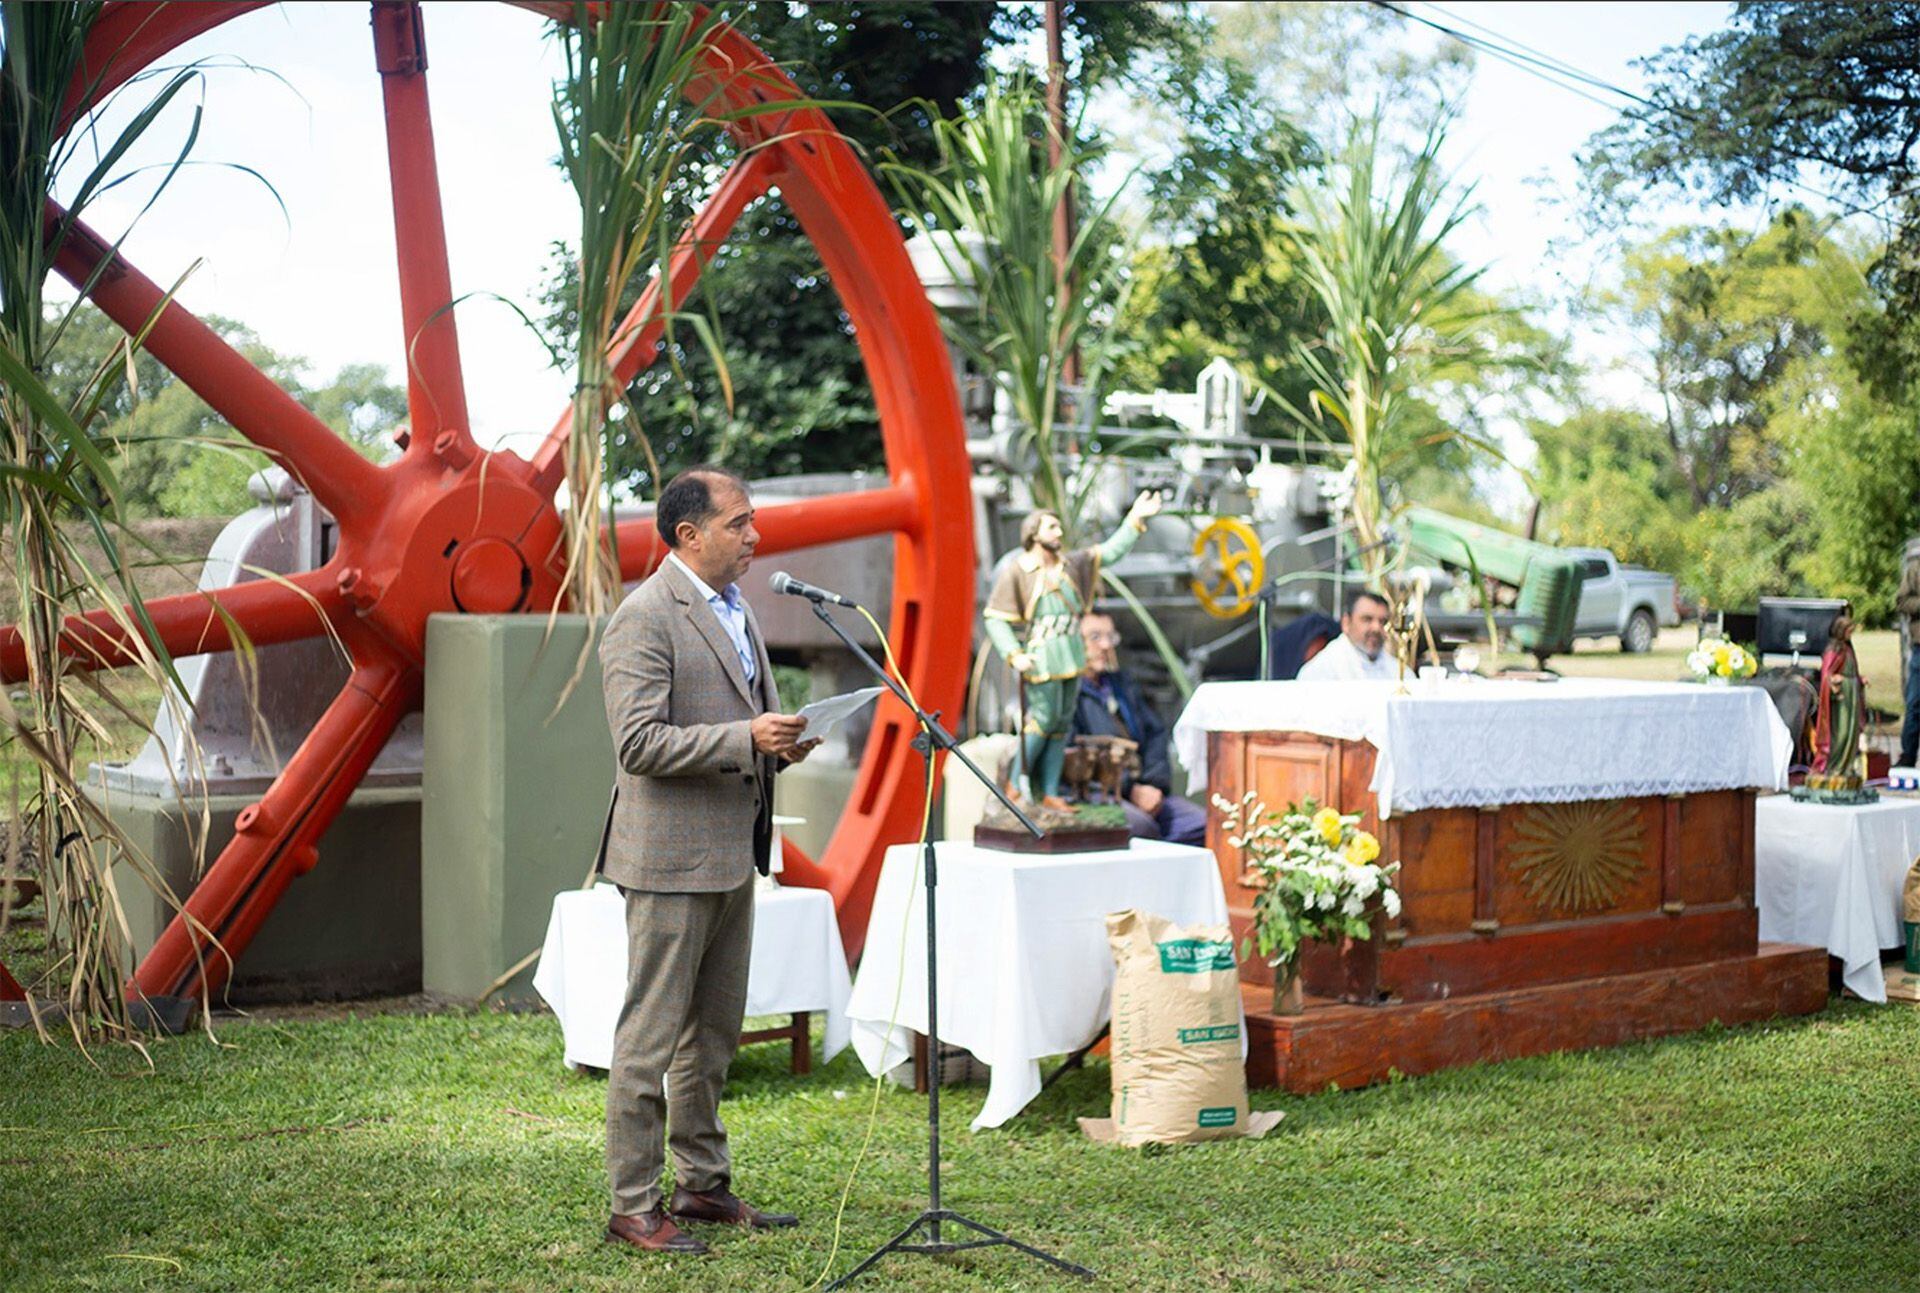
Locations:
column 1288, row 997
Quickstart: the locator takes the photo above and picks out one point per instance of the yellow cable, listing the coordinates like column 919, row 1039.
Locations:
column 899, row 970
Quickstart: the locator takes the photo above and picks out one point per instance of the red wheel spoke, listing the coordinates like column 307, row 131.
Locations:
column 801, row 523
column 345, row 483
column 266, row 610
column 633, row 342
column 275, row 839
column 436, row 391
column 134, row 35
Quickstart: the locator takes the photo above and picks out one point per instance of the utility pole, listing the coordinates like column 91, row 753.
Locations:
column 1056, row 148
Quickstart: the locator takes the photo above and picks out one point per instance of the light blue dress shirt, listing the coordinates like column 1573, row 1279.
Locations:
column 729, row 609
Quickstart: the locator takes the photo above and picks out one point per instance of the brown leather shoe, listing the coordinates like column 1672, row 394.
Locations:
column 653, row 1231
column 727, row 1209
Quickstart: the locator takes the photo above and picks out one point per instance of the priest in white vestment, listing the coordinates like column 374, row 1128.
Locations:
column 1360, row 652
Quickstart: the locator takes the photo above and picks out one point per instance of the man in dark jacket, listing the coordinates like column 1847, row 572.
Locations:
column 1110, row 704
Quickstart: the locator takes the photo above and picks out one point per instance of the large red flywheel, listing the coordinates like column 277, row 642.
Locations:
column 452, row 527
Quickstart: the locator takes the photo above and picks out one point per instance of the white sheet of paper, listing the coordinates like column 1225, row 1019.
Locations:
column 824, row 715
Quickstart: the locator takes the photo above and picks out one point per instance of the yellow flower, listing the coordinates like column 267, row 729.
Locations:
column 1362, row 848
column 1327, row 822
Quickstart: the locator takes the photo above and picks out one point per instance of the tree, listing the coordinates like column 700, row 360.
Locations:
column 1220, row 277
column 996, row 183
column 1791, row 90
column 886, row 71
column 1774, row 466
column 1606, row 478
column 1399, row 312
column 1723, row 315
column 172, row 455
column 1329, row 63
column 1857, row 460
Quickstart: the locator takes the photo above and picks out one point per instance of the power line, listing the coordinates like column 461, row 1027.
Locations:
column 1552, row 70
column 1547, row 59
column 1536, row 66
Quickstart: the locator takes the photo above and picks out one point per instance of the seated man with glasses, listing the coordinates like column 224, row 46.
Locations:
column 1111, row 704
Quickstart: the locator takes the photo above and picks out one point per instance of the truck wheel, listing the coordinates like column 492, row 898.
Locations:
column 1637, row 637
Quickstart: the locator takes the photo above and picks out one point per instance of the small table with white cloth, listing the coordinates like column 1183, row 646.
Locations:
column 1025, row 969
column 1473, row 742
column 1830, row 875
column 798, row 967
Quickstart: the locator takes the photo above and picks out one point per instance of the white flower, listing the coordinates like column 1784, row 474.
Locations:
column 1354, row 905
column 1391, row 901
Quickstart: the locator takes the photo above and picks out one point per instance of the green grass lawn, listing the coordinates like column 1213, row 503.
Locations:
column 404, row 1152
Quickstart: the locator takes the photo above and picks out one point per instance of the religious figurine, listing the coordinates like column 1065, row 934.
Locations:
column 1836, row 724
column 1033, row 621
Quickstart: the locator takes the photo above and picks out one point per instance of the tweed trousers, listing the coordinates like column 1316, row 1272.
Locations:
column 676, row 1037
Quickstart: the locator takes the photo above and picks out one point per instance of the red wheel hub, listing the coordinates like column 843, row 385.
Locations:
column 453, row 527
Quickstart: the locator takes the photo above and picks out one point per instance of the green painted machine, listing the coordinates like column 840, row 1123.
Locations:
column 1545, row 580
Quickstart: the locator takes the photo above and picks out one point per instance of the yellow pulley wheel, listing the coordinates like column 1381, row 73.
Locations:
column 1228, row 568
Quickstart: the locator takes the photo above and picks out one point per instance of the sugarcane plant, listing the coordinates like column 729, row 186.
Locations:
column 641, row 113
column 1399, row 311
column 65, row 546
column 987, row 206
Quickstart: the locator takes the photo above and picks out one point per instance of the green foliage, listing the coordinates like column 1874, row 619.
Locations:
column 1605, row 479
column 996, row 183
column 800, row 400
column 1327, row 63
column 1753, row 549
column 1399, row 312
column 1786, row 91
column 1858, row 459
column 1221, row 277
column 1724, row 315
column 63, row 535
column 172, row 454
column 632, row 114
column 1775, row 466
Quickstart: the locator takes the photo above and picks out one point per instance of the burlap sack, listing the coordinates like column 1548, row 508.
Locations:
column 1177, row 1070
column 1910, row 900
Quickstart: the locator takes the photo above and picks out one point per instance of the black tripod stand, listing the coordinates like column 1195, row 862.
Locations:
column 929, row 1222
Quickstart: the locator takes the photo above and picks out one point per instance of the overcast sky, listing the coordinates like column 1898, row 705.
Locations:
column 319, row 282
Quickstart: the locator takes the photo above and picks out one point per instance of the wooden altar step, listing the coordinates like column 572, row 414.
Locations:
column 1353, row 1046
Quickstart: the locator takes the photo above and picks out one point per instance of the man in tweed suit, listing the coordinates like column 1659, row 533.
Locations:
column 698, row 738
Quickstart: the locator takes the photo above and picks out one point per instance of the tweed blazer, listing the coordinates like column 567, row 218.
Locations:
column 693, row 801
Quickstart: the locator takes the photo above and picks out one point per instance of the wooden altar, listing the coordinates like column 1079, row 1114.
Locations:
column 1525, row 928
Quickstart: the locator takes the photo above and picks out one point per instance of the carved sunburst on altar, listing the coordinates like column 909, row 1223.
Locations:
column 1578, row 856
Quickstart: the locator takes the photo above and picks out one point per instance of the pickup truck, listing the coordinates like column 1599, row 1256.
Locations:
column 1626, row 600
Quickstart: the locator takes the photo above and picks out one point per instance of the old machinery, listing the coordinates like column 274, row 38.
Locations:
column 452, row 527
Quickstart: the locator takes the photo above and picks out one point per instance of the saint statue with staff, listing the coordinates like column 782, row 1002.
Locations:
column 1033, row 621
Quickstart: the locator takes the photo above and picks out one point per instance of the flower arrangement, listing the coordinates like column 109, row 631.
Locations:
column 1323, row 878
column 1718, row 657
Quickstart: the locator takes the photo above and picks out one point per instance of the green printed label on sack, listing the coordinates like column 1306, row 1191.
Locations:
column 1225, row 1117
column 1211, row 1033
column 1194, row 955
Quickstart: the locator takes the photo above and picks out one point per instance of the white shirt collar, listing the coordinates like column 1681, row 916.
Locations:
column 700, row 585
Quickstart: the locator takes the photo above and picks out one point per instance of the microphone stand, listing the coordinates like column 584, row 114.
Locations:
column 933, row 736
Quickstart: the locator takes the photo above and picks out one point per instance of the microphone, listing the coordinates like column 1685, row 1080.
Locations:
column 782, row 582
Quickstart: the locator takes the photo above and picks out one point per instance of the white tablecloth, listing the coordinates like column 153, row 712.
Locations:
column 1025, row 971
column 1464, row 742
column 798, row 964
column 1830, row 876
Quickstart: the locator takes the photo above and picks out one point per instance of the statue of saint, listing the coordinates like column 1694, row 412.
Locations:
column 1841, row 709
column 1033, row 621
